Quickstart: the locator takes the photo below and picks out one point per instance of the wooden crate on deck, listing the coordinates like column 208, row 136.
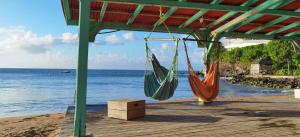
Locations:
column 126, row 109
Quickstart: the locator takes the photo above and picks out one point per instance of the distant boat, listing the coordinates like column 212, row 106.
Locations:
column 199, row 73
column 66, row 71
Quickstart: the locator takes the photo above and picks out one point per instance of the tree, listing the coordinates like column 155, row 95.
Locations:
column 280, row 52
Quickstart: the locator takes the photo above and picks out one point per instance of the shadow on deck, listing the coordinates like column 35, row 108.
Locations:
column 262, row 116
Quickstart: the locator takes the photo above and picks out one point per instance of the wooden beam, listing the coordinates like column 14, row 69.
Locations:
column 254, row 17
column 102, row 12
column 123, row 26
column 197, row 15
column 244, row 16
column 199, row 6
column 257, row 36
column 193, row 18
column 230, row 14
column 66, row 8
column 269, row 24
column 137, row 11
column 293, row 33
column 167, row 14
column 295, row 24
column 81, row 72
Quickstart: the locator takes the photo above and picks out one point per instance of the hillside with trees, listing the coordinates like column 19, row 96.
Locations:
column 285, row 60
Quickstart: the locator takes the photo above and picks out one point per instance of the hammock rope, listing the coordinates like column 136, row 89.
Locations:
column 206, row 89
column 159, row 82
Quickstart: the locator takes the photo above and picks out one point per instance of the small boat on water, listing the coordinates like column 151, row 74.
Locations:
column 66, row 71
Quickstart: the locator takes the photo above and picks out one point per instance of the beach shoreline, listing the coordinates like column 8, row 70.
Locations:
column 267, row 81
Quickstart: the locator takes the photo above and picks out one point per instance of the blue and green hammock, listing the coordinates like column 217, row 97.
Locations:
column 159, row 82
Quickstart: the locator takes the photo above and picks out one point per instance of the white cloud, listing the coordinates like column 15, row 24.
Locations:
column 22, row 48
column 49, row 59
column 165, row 47
column 18, row 39
column 113, row 39
column 129, row 36
column 197, row 55
column 183, row 36
column 109, row 60
column 233, row 43
column 69, row 38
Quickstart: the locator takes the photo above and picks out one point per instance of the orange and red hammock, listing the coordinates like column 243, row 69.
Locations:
column 206, row 89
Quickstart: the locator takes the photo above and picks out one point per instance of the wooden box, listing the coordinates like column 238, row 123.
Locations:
column 126, row 109
column 297, row 93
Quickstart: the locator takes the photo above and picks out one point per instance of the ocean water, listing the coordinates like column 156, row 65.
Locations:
column 39, row 91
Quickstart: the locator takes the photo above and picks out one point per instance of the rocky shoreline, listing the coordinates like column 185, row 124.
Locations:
column 265, row 81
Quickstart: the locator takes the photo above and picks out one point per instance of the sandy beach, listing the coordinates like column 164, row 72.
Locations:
column 47, row 125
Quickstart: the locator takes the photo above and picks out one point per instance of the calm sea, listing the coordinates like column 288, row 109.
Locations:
column 39, row 91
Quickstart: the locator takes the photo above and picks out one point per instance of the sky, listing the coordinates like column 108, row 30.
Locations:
column 34, row 34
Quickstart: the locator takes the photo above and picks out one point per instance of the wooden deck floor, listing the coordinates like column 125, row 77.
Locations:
column 228, row 117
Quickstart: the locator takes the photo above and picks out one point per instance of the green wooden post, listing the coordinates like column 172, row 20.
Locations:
column 81, row 73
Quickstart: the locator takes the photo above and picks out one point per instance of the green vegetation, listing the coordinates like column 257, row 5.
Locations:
column 285, row 60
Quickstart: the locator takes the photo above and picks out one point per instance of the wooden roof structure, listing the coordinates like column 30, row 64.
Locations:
column 257, row 19
column 206, row 20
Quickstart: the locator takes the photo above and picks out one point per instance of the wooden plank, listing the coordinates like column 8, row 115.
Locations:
column 269, row 24
column 230, row 14
column 197, row 15
column 254, row 17
column 295, row 24
column 199, row 6
column 137, row 11
column 244, row 16
column 167, row 15
column 102, row 12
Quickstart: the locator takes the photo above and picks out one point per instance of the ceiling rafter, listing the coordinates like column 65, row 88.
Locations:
column 269, row 24
column 230, row 14
column 122, row 26
column 254, row 17
column 244, row 16
column 198, row 6
column 293, row 33
column 103, row 10
column 198, row 15
column 66, row 9
column 137, row 11
column 71, row 17
column 295, row 24
column 155, row 15
column 166, row 15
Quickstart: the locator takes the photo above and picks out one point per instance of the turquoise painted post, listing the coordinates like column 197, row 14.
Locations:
column 81, row 73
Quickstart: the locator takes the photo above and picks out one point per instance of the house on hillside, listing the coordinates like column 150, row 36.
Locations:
column 262, row 66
